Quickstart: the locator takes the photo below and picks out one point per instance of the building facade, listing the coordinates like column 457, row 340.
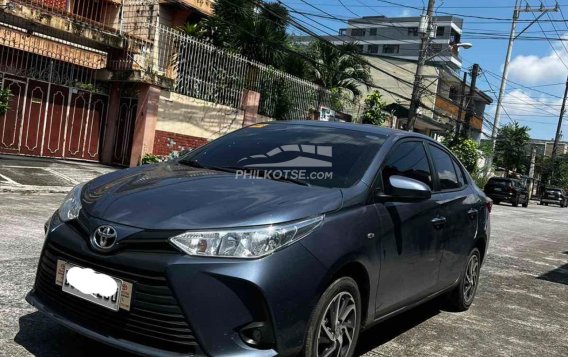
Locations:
column 399, row 37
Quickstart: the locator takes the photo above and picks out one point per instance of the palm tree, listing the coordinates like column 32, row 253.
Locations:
column 256, row 31
column 340, row 69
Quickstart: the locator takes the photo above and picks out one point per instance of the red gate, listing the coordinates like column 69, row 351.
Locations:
column 50, row 120
column 125, row 131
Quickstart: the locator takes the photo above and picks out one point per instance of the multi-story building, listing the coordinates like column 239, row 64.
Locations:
column 399, row 37
column 452, row 100
column 544, row 147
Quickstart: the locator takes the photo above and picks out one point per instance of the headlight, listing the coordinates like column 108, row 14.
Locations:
column 71, row 205
column 249, row 243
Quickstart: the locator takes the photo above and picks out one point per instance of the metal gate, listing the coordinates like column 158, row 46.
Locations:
column 125, row 130
column 45, row 119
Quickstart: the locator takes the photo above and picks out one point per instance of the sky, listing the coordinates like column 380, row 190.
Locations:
column 539, row 63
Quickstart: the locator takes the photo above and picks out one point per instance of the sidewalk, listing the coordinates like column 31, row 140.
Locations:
column 42, row 175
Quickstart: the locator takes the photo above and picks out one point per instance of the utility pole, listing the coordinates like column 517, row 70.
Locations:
column 471, row 104
column 417, row 88
column 460, row 109
column 558, row 133
column 531, row 171
column 512, row 37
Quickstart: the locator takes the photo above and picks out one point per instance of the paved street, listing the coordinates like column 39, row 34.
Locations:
column 521, row 308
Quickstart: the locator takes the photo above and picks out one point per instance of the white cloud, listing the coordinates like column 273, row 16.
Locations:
column 519, row 103
column 532, row 69
column 406, row 13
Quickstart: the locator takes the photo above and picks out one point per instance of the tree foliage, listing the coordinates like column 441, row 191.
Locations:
column 560, row 176
column 510, row 147
column 4, row 100
column 466, row 150
column 373, row 112
column 257, row 32
column 339, row 68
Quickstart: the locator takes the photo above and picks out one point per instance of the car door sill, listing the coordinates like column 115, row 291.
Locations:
column 410, row 306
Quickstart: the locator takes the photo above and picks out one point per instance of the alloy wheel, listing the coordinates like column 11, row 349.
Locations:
column 471, row 278
column 337, row 327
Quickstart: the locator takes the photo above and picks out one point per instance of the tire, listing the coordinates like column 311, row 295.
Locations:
column 546, row 204
column 516, row 202
column 526, row 203
column 461, row 298
column 496, row 202
column 319, row 340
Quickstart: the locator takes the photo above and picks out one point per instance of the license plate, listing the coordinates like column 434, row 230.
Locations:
column 497, row 189
column 120, row 300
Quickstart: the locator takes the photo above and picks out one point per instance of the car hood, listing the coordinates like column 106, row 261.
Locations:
column 172, row 196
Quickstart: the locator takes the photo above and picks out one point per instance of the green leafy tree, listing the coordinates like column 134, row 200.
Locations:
column 4, row 100
column 373, row 112
column 510, row 147
column 466, row 150
column 257, row 32
column 560, row 175
column 340, row 68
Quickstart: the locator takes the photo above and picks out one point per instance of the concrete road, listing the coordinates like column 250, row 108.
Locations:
column 521, row 308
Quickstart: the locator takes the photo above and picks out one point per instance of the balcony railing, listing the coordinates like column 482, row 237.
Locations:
column 124, row 17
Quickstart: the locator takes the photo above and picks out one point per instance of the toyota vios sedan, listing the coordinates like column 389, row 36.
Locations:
column 287, row 238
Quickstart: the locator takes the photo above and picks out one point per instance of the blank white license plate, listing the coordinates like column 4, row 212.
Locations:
column 120, row 300
column 497, row 189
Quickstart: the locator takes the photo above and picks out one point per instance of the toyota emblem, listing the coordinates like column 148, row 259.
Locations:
column 104, row 237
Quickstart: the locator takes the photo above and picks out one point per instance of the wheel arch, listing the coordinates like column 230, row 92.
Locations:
column 358, row 272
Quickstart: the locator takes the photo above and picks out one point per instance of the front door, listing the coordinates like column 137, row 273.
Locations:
column 409, row 239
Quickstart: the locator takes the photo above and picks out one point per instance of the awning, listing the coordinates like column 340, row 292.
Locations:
column 43, row 46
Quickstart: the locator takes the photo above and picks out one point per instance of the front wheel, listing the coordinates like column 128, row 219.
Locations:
column 461, row 298
column 516, row 202
column 334, row 326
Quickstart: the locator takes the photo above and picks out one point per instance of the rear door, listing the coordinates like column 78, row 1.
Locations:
column 459, row 206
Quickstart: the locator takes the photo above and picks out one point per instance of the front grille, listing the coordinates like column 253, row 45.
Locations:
column 154, row 319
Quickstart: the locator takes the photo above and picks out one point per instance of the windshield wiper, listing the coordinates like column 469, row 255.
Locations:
column 197, row 164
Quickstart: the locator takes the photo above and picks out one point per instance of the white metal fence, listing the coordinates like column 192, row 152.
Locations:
column 206, row 72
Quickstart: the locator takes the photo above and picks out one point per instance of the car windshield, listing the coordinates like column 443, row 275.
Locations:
column 314, row 155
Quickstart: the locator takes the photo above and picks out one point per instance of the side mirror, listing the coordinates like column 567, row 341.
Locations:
column 404, row 189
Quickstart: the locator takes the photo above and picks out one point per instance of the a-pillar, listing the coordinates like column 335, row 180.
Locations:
column 145, row 124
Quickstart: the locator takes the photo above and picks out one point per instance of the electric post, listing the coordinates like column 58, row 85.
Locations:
column 470, row 108
column 426, row 30
column 558, row 133
column 512, row 37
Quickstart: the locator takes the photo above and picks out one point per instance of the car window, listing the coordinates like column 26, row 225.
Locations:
column 459, row 171
column 408, row 159
column 443, row 163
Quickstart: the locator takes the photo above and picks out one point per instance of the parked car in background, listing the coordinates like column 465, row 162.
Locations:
column 216, row 254
column 555, row 196
column 501, row 189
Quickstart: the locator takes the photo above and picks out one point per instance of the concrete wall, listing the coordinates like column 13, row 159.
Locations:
column 197, row 118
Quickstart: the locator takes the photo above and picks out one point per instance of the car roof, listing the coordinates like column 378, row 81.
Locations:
column 367, row 128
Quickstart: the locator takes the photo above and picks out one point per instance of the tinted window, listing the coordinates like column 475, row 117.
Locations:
column 459, row 171
column 321, row 156
column 408, row 159
column 445, row 168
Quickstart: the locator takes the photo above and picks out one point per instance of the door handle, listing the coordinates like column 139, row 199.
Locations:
column 472, row 213
column 439, row 222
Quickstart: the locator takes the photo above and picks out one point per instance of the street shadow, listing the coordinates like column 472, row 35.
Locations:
column 558, row 275
column 43, row 337
column 385, row 331
column 566, row 252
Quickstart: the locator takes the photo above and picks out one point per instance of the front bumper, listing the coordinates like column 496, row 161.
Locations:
column 208, row 300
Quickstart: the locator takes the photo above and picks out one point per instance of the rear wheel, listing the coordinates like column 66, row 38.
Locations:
column 334, row 326
column 526, row 203
column 516, row 202
column 461, row 298
column 496, row 202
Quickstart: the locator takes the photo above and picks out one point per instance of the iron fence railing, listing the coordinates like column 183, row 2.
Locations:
column 203, row 71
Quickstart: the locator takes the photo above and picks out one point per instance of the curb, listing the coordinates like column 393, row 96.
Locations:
column 34, row 189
